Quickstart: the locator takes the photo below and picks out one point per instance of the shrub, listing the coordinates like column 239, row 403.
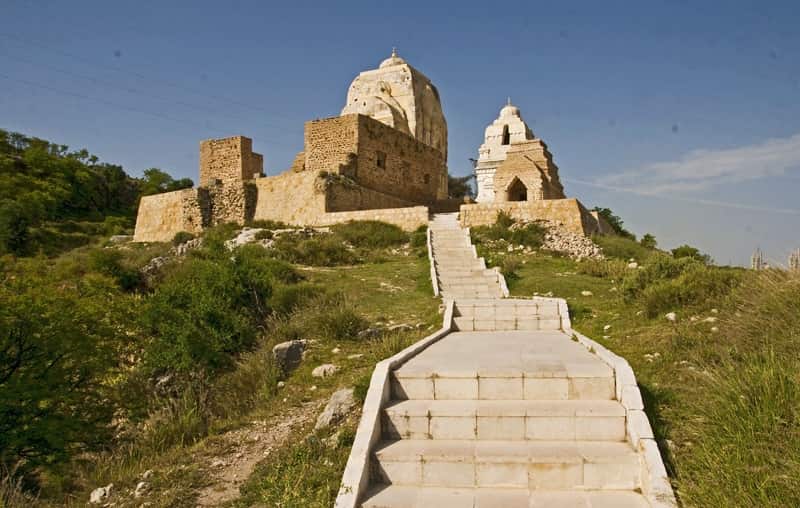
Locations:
column 648, row 241
column 370, row 234
column 419, row 238
column 606, row 268
column 14, row 228
column 111, row 262
column 202, row 314
column 687, row 251
column 621, row 247
column 182, row 237
column 286, row 299
column 615, row 222
column 322, row 250
column 253, row 381
column 338, row 322
column 529, row 235
column 113, row 225
column 264, row 234
column 509, row 266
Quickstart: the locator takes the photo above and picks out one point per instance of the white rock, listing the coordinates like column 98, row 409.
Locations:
column 710, row 319
column 586, row 293
column 336, row 350
column 337, row 408
column 671, row 316
column 147, row 474
column 714, row 311
column 714, row 329
column 281, row 384
column 607, row 328
column 101, row 494
column 355, row 356
column 325, row 370
column 633, row 265
column 141, row 489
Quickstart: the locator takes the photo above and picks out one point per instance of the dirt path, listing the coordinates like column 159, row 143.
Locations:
column 248, row 446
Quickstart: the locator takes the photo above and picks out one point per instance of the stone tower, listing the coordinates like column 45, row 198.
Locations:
column 794, row 260
column 400, row 96
column 757, row 260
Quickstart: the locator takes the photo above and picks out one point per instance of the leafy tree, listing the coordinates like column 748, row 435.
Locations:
column 648, row 241
column 459, row 186
column 14, row 228
column 156, row 181
column 59, row 344
column 614, row 221
column 687, row 251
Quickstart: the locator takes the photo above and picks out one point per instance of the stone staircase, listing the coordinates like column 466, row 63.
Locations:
column 508, row 411
column 460, row 273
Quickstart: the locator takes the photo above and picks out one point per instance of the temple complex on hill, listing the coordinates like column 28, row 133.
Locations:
column 383, row 158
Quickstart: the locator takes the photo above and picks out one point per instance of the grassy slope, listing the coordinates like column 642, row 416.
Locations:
column 307, row 472
column 725, row 412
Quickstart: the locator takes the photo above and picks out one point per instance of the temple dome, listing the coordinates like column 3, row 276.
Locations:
column 392, row 60
column 509, row 110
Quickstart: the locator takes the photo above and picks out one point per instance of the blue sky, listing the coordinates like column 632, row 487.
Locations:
column 682, row 118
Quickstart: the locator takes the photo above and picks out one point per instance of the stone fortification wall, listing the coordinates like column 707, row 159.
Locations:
column 377, row 157
column 162, row 215
column 344, row 195
column 409, row 218
column 229, row 161
column 229, row 202
column 569, row 212
column 290, row 197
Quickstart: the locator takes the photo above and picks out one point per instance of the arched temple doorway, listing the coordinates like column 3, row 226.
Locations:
column 517, row 191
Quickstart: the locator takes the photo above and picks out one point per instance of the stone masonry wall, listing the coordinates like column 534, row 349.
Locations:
column 409, row 218
column 162, row 215
column 229, row 161
column 569, row 212
column 377, row 157
column 409, row 169
column 345, row 195
column 290, row 197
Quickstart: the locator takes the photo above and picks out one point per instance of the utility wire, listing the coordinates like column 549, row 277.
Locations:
column 131, row 90
column 139, row 75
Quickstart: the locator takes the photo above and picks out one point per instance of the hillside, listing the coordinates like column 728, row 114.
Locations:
column 151, row 367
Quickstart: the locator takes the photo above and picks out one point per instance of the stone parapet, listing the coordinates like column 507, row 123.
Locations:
column 408, row 219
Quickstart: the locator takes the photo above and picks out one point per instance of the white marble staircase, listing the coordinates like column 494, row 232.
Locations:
column 505, row 407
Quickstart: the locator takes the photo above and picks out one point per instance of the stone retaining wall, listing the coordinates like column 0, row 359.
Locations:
column 409, row 218
column 569, row 212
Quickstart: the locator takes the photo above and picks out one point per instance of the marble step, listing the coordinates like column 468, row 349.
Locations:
column 500, row 386
column 529, row 323
column 514, row 420
column 550, row 465
column 410, row 496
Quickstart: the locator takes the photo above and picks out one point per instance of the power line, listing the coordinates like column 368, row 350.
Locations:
column 139, row 75
column 112, row 104
column 129, row 90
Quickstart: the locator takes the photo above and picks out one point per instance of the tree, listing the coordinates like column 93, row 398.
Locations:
column 14, row 224
column 614, row 221
column 459, row 186
column 687, row 251
column 648, row 241
column 59, row 346
column 156, row 181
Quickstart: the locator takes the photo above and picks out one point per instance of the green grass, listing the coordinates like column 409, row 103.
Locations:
column 724, row 404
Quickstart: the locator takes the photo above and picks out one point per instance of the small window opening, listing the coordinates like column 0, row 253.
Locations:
column 506, row 135
column 426, row 178
column 381, row 160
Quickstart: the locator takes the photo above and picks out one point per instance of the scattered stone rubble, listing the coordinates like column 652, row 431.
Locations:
column 340, row 404
column 560, row 239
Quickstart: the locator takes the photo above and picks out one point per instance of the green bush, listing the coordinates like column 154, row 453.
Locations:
column 60, row 344
column 687, row 251
column 182, row 237
column 370, row 234
column 339, row 321
column 419, row 238
column 253, row 381
column 14, row 228
column 605, row 268
column 320, row 250
column 286, row 299
column 510, row 265
column 621, row 247
column 203, row 314
column 530, row 235
column 264, row 234
column 111, row 262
